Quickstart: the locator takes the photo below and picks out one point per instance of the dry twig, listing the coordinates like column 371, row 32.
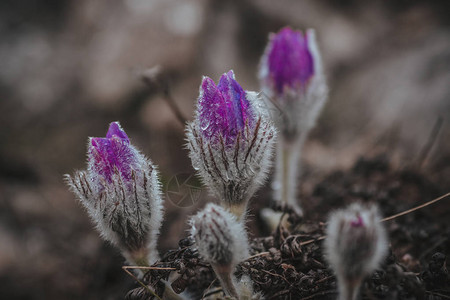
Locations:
column 125, row 268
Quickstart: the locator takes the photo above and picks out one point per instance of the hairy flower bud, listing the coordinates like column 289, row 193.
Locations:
column 121, row 192
column 356, row 244
column 292, row 78
column 230, row 141
column 291, row 74
column 221, row 240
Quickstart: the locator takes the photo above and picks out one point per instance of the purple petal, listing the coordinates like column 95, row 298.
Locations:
column 289, row 61
column 223, row 109
column 106, row 155
column 212, row 109
column 238, row 106
column 116, row 130
column 357, row 223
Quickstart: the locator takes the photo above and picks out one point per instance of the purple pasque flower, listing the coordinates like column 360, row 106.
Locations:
column 294, row 87
column 291, row 74
column 289, row 60
column 121, row 192
column 223, row 109
column 356, row 244
column 230, row 141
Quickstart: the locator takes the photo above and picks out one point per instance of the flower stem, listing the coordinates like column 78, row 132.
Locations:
column 349, row 289
column 225, row 277
column 287, row 172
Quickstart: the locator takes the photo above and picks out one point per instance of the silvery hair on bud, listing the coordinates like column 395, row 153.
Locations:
column 219, row 237
column 356, row 241
column 234, row 173
column 127, row 212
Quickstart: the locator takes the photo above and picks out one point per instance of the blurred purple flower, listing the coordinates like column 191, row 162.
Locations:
column 293, row 83
column 355, row 246
column 223, row 110
column 290, row 62
column 112, row 153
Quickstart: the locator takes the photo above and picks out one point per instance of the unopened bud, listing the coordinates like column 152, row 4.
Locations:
column 230, row 141
column 221, row 241
column 356, row 244
column 121, row 192
column 292, row 79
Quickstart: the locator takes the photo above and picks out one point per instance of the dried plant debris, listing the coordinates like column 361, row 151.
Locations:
column 290, row 263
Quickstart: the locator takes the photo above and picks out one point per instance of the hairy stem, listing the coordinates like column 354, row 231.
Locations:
column 287, row 172
column 226, row 280
column 349, row 289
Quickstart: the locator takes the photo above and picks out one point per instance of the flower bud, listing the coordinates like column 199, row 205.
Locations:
column 230, row 141
column 121, row 193
column 292, row 78
column 356, row 244
column 290, row 63
column 221, row 240
column 291, row 75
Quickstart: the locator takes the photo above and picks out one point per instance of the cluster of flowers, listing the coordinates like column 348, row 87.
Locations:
column 231, row 142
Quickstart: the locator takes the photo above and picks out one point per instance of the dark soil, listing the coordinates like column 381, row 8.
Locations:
column 290, row 264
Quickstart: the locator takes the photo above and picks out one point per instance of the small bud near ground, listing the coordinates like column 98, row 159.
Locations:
column 121, row 193
column 356, row 244
column 221, row 240
column 230, row 141
column 291, row 75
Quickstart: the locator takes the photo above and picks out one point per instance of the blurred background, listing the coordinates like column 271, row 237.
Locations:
column 70, row 67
